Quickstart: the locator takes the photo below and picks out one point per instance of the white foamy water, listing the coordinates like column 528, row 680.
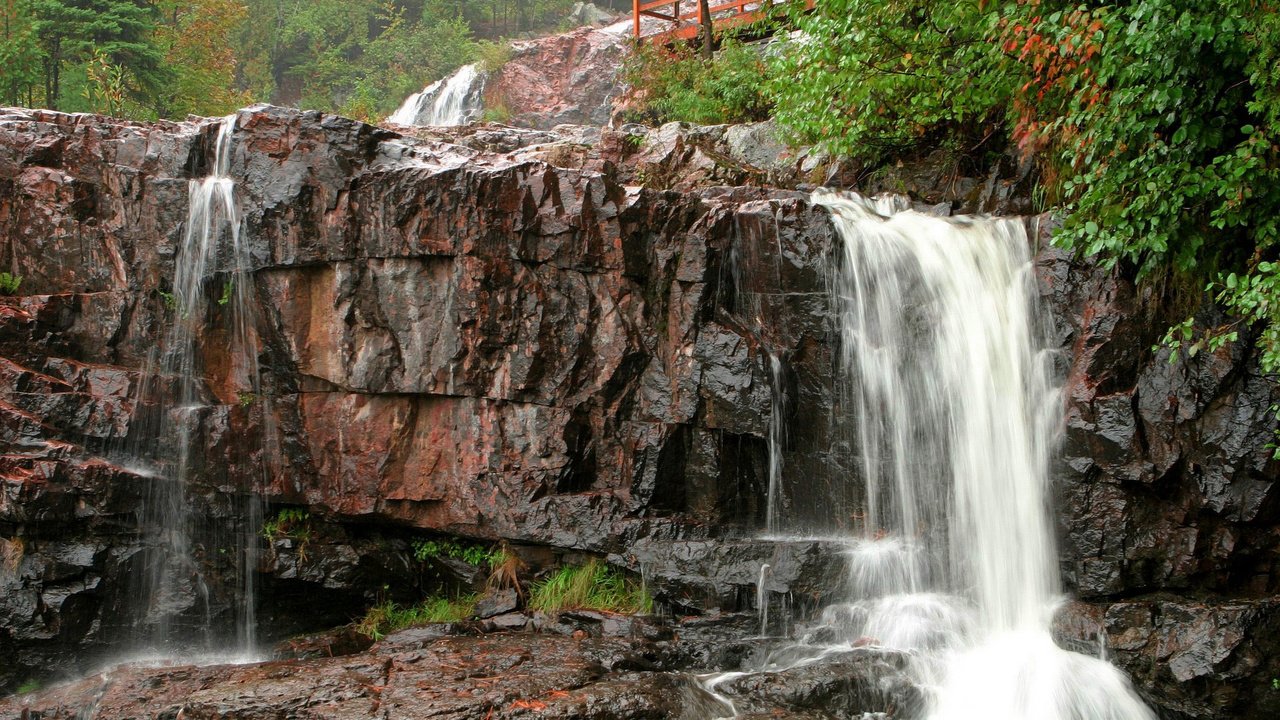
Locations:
column 956, row 411
column 454, row 100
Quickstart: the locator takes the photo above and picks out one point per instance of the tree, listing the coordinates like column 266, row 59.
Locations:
column 20, row 60
column 72, row 32
column 196, row 36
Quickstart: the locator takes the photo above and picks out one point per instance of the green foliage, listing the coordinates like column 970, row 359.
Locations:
column 20, row 56
column 9, row 283
column 472, row 554
column 29, row 686
column 876, row 76
column 246, row 399
column 388, row 617
column 496, row 113
column 114, row 37
column 593, row 586
column 676, row 84
column 492, row 55
column 228, row 289
column 163, row 58
column 1154, row 121
column 293, row 523
column 197, row 36
column 169, row 299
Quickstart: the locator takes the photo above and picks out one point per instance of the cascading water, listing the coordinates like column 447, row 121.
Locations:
column 174, row 592
column 455, row 100
column 953, row 407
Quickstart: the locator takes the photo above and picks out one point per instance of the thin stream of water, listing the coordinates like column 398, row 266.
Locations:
column 177, row 588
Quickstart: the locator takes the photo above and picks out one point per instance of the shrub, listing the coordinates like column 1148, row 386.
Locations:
column 676, row 84
column 492, row 55
column 593, row 586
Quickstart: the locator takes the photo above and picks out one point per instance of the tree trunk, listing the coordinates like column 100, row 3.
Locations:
column 704, row 9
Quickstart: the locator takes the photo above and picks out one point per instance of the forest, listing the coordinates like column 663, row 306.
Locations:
column 167, row 59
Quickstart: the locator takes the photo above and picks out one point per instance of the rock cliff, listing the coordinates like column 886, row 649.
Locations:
column 561, row 340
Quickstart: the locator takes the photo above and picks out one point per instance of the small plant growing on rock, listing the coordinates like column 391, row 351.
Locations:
column 497, row 113
column 504, row 571
column 478, row 555
column 169, row 300
column 9, row 283
column 228, row 288
column 292, row 523
column 29, row 686
column 593, row 586
column 246, row 399
column 389, row 617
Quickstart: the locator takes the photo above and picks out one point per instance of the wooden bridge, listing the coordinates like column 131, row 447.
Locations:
column 684, row 17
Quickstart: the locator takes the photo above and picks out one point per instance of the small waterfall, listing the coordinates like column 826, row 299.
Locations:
column 762, row 599
column 176, row 590
column 455, row 100
column 777, row 442
column 955, row 411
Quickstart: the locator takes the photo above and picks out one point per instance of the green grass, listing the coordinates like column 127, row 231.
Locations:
column 593, row 586
column 389, row 617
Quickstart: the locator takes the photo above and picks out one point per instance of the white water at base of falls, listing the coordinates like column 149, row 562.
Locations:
column 954, row 407
column 454, row 100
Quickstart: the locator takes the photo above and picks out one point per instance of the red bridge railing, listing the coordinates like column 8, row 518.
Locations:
column 684, row 17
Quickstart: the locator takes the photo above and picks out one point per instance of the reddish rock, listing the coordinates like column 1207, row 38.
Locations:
column 571, row 78
column 460, row 334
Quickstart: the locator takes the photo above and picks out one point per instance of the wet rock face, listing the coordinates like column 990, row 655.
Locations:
column 451, row 340
column 562, row 339
column 571, row 78
column 1167, row 486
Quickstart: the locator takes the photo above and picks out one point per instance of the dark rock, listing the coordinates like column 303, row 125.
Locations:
column 497, row 602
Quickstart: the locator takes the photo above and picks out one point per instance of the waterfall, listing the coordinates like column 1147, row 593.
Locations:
column 953, row 407
column 179, row 586
column 777, row 441
column 455, row 100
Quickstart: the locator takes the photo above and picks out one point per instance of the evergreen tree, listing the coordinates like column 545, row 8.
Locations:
column 74, row 32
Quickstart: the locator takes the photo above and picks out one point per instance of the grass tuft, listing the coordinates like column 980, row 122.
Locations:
column 389, row 617
column 593, row 586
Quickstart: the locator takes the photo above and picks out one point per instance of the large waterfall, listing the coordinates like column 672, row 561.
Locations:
column 454, row 100
column 202, row 569
column 953, row 408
